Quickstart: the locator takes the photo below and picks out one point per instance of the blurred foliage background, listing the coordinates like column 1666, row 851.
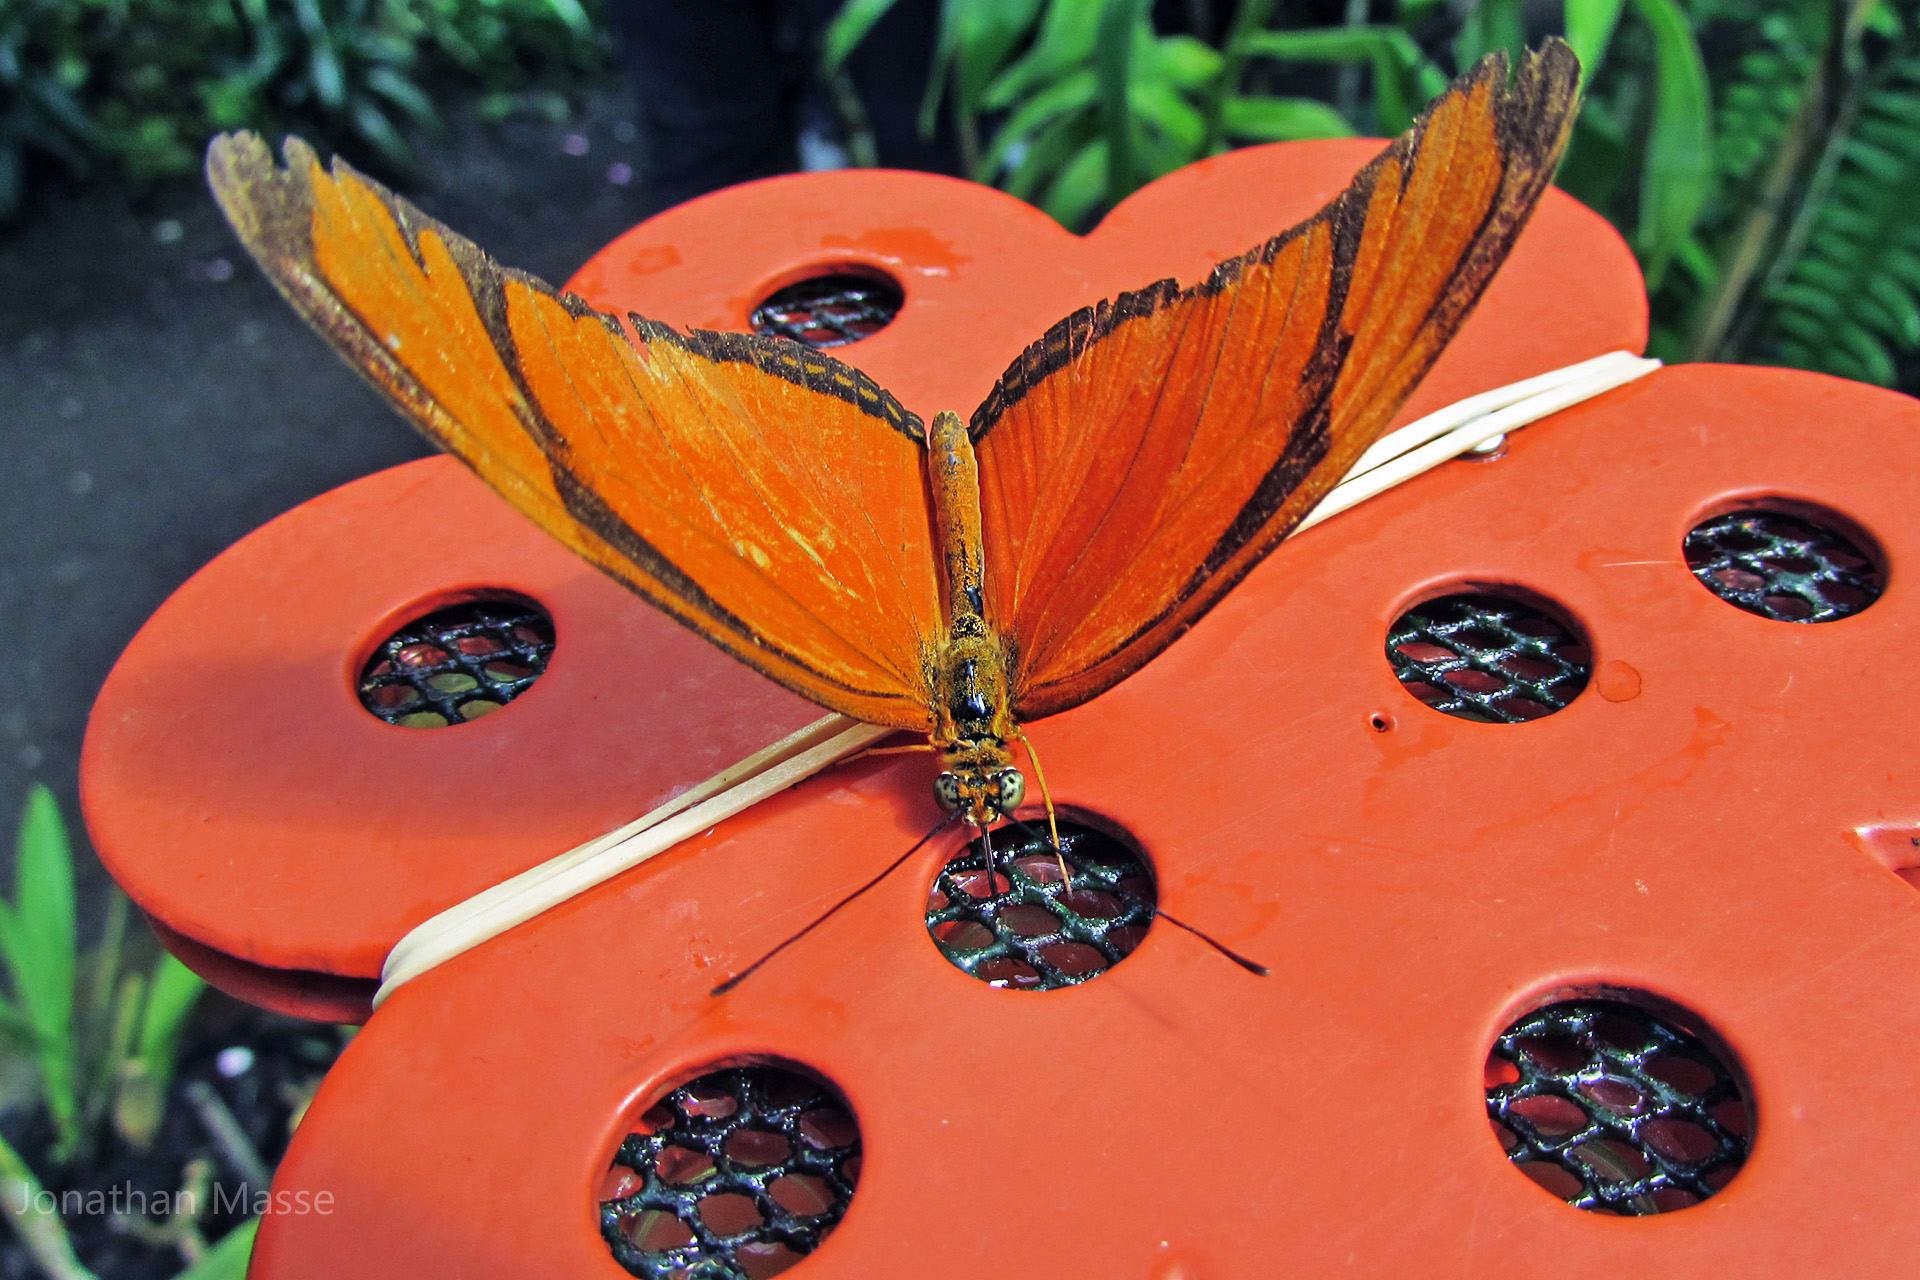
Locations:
column 1762, row 157
column 129, row 91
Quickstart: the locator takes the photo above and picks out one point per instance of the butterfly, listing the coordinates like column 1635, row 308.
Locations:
column 957, row 579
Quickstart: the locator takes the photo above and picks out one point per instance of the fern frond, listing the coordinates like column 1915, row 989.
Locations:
column 1850, row 303
column 1757, row 103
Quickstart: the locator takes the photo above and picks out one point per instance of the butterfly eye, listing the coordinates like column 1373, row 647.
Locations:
column 946, row 790
column 1011, row 789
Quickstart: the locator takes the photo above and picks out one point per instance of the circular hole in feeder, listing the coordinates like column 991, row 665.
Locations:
column 829, row 310
column 1791, row 567
column 739, row 1173
column 1035, row 932
column 457, row 664
column 1487, row 657
column 1616, row 1108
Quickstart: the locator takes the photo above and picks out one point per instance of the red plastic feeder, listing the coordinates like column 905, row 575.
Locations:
column 1664, row 888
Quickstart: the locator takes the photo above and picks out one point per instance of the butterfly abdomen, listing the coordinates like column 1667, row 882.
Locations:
column 972, row 720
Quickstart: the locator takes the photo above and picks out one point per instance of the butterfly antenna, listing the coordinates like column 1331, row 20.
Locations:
column 1046, row 798
column 830, row 912
column 1251, row 966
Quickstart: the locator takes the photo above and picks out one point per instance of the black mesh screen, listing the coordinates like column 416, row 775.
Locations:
column 457, row 664
column 735, row 1176
column 829, row 311
column 1488, row 658
column 1616, row 1109
column 1782, row 567
column 1029, row 930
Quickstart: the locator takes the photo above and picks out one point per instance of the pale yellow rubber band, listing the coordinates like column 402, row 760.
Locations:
column 1460, row 427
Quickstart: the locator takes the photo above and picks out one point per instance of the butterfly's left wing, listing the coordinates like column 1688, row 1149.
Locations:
column 763, row 495
column 1144, row 455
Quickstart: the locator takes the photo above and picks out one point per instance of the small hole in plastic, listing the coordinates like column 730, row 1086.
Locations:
column 740, row 1173
column 1615, row 1108
column 829, row 310
column 1035, row 933
column 457, row 664
column 1791, row 568
column 1487, row 657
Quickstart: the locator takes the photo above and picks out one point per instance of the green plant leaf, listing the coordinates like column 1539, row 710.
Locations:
column 847, row 29
column 371, row 123
column 1283, row 119
column 95, row 1010
column 42, row 953
column 1699, row 263
column 1173, row 119
column 1870, row 352
column 17, row 1032
column 1903, row 265
column 1590, row 27
column 573, row 15
column 1342, row 46
column 1877, row 161
column 58, row 102
column 985, row 33
column 228, row 1258
column 1678, row 170
column 1182, row 61
column 1893, row 310
column 404, row 94
column 229, row 101
column 1819, row 303
column 1883, row 20
column 1068, row 31
column 172, row 992
column 1070, row 95
column 137, row 1103
column 147, row 1071
column 1079, row 186
column 1403, row 76
column 1490, row 25
column 1120, row 22
column 324, row 72
column 39, row 1227
column 1041, row 159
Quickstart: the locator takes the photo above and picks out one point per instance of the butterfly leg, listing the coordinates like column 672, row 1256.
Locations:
column 1046, row 798
column 889, row 751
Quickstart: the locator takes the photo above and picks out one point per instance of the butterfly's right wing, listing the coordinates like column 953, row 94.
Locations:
column 1141, row 458
column 764, row 495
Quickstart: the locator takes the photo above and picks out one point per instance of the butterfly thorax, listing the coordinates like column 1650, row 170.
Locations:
column 972, row 718
column 972, row 724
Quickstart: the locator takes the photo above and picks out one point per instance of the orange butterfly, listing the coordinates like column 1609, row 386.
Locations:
column 957, row 580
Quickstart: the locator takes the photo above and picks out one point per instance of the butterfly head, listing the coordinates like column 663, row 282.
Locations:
column 984, row 789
